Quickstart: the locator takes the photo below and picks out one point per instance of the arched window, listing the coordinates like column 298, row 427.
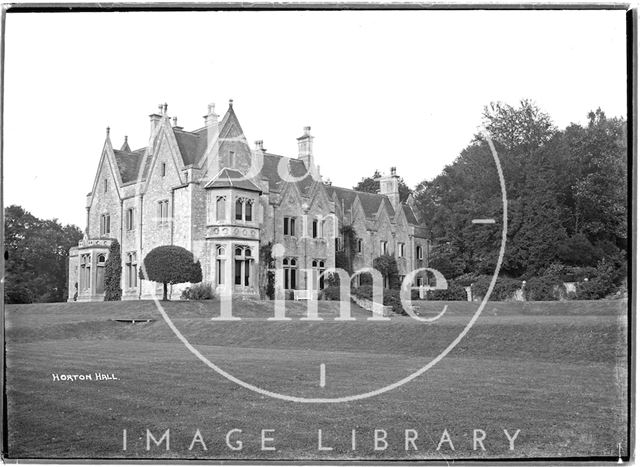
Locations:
column 239, row 204
column 221, row 213
column 248, row 211
column 290, row 273
column 238, row 251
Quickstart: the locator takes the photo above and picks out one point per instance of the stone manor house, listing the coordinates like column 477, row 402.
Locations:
column 207, row 191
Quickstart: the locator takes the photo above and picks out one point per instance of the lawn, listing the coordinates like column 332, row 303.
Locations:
column 555, row 371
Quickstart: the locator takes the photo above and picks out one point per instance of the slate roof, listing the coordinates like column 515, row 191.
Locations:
column 409, row 214
column 297, row 168
column 128, row 164
column 230, row 178
column 193, row 144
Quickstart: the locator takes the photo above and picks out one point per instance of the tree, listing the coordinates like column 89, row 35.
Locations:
column 37, row 257
column 566, row 191
column 170, row 264
column 371, row 185
column 113, row 274
column 388, row 267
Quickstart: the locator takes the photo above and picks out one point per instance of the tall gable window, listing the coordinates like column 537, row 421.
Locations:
column 314, row 229
column 130, row 222
column 105, row 224
column 400, row 250
column 163, row 169
column 289, row 227
column 163, row 212
column 419, row 252
column 359, row 245
column 106, row 185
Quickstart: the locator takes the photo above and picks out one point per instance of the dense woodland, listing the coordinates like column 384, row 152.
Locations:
column 567, row 202
column 567, row 213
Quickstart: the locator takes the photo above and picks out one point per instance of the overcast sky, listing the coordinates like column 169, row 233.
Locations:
column 378, row 88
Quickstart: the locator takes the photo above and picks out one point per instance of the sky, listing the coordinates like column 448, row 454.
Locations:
column 378, row 88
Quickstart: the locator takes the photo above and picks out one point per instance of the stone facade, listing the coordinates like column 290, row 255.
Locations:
column 209, row 192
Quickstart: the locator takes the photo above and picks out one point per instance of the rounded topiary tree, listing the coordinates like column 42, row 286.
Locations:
column 170, row 264
column 113, row 274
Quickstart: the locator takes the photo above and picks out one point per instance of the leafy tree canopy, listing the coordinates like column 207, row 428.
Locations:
column 36, row 255
column 566, row 191
column 170, row 264
column 371, row 185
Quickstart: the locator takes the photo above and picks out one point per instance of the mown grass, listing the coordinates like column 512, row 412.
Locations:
column 557, row 374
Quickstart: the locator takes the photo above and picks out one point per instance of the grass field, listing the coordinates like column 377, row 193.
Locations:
column 555, row 371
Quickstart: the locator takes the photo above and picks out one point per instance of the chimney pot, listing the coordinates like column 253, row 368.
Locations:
column 212, row 108
column 393, row 171
column 230, row 102
column 307, row 130
column 164, row 108
column 175, row 121
column 126, row 139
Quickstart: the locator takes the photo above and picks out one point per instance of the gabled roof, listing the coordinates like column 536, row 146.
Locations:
column 344, row 195
column 230, row 178
column 371, row 203
column 409, row 214
column 297, row 168
column 128, row 164
column 125, row 146
column 192, row 145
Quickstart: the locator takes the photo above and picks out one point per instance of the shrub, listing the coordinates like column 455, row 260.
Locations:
column 333, row 280
column 267, row 276
column 504, row 288
column 113, row 274
column 330, row 293
column 202, row 291
column 544, row 288
column 601, row 285
column 17, row 294
column 170, row 264
column 454, row 291
column 390, row 297
column 388, row 267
